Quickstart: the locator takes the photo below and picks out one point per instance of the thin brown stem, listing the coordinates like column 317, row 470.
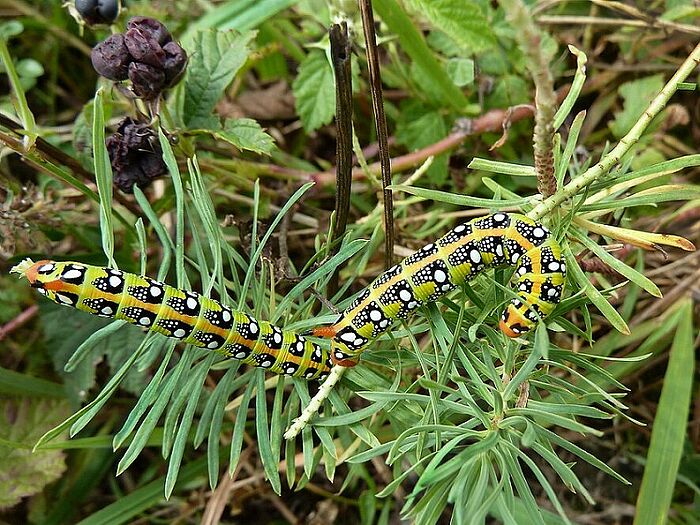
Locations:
column 380, row 123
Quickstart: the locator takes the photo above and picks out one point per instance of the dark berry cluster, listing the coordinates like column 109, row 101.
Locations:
column 135, row 154
column 146, row 54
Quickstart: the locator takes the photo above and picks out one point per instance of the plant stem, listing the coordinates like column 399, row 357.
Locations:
column 626, row 142
column 530, row 39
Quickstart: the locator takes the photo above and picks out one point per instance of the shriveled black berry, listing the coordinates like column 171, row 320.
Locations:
column 111, row 58
column 151, row 27
column 146, row 81
column 174, row 64
column 144, row 48
column 135, row 155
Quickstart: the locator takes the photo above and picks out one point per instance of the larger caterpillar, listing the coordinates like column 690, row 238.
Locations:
column 470, row 248
column 494, row 240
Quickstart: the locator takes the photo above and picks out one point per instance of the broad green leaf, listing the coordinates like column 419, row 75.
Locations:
column 66, row 329
column 636, row 95
column 246, row 134
column 669, row 429
column 461, row 71
column 314, row 91
column 215, row 58
column 419, row 126
column 22, row 422
column 413, row 43
column 465, row 22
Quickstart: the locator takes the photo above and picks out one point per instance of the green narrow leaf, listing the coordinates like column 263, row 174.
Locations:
column 594, row 295
column 103, row 177
column 669, row 429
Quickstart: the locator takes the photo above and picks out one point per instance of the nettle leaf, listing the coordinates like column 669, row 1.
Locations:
column 66, row 329
column 215, row 58
column 465, row 22
column 22, row 422
column 636, row 95
column 419, row 126
column 246, row 133
column 314, row 91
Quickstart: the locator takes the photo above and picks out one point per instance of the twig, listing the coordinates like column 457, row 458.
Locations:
column 491, row 121
column 657, row 23
column 340, row 54
column 18, row 321
column 380, row 123
column 315, row 404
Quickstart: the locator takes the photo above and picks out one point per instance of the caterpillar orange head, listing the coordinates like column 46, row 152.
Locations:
column 45, row 276
column 513, row 323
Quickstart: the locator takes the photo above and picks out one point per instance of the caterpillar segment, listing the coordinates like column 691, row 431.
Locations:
column 180, row 314
column 499, row 239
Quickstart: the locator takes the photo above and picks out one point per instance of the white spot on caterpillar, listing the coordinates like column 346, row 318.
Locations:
column 412, row 305
column 348, row 336
column 553, row 266
column 155, row 291
column 475, row 256
column 46, row 267
column 107, row 310
column 563, row 268
column 375, row 315
column 64, row 299
column 115, row 281
column 191, row 303
column 439, row 276
column 213, row 345
column 240, row 355
column 405, row 295
column 499, row 217
column 460, row 228
column 72, row 274
column 499, row 250
column 179, row 333
column 226, row 316
column 145, row 321
column 538, row 232
column 300, row 346
column 383, row 323
column 514, row 258
column 551, row 292
column 253, row 328
column 340, row 355
column 277, row 338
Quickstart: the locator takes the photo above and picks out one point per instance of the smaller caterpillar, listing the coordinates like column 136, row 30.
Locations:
column 499, row 239
column 184, row 315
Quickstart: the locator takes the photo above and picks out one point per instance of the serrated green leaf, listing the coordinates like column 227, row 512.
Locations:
column 461, row 71
column 314, row 91
column 215, row 58
column 465, row 22
column 636, row 95
column 23, row 472
column 246, row 134
column 66, row 329
column 419, row 126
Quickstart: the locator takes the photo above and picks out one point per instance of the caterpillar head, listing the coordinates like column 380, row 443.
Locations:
column 514, row 322
column 46, row 277
column 341, row 352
